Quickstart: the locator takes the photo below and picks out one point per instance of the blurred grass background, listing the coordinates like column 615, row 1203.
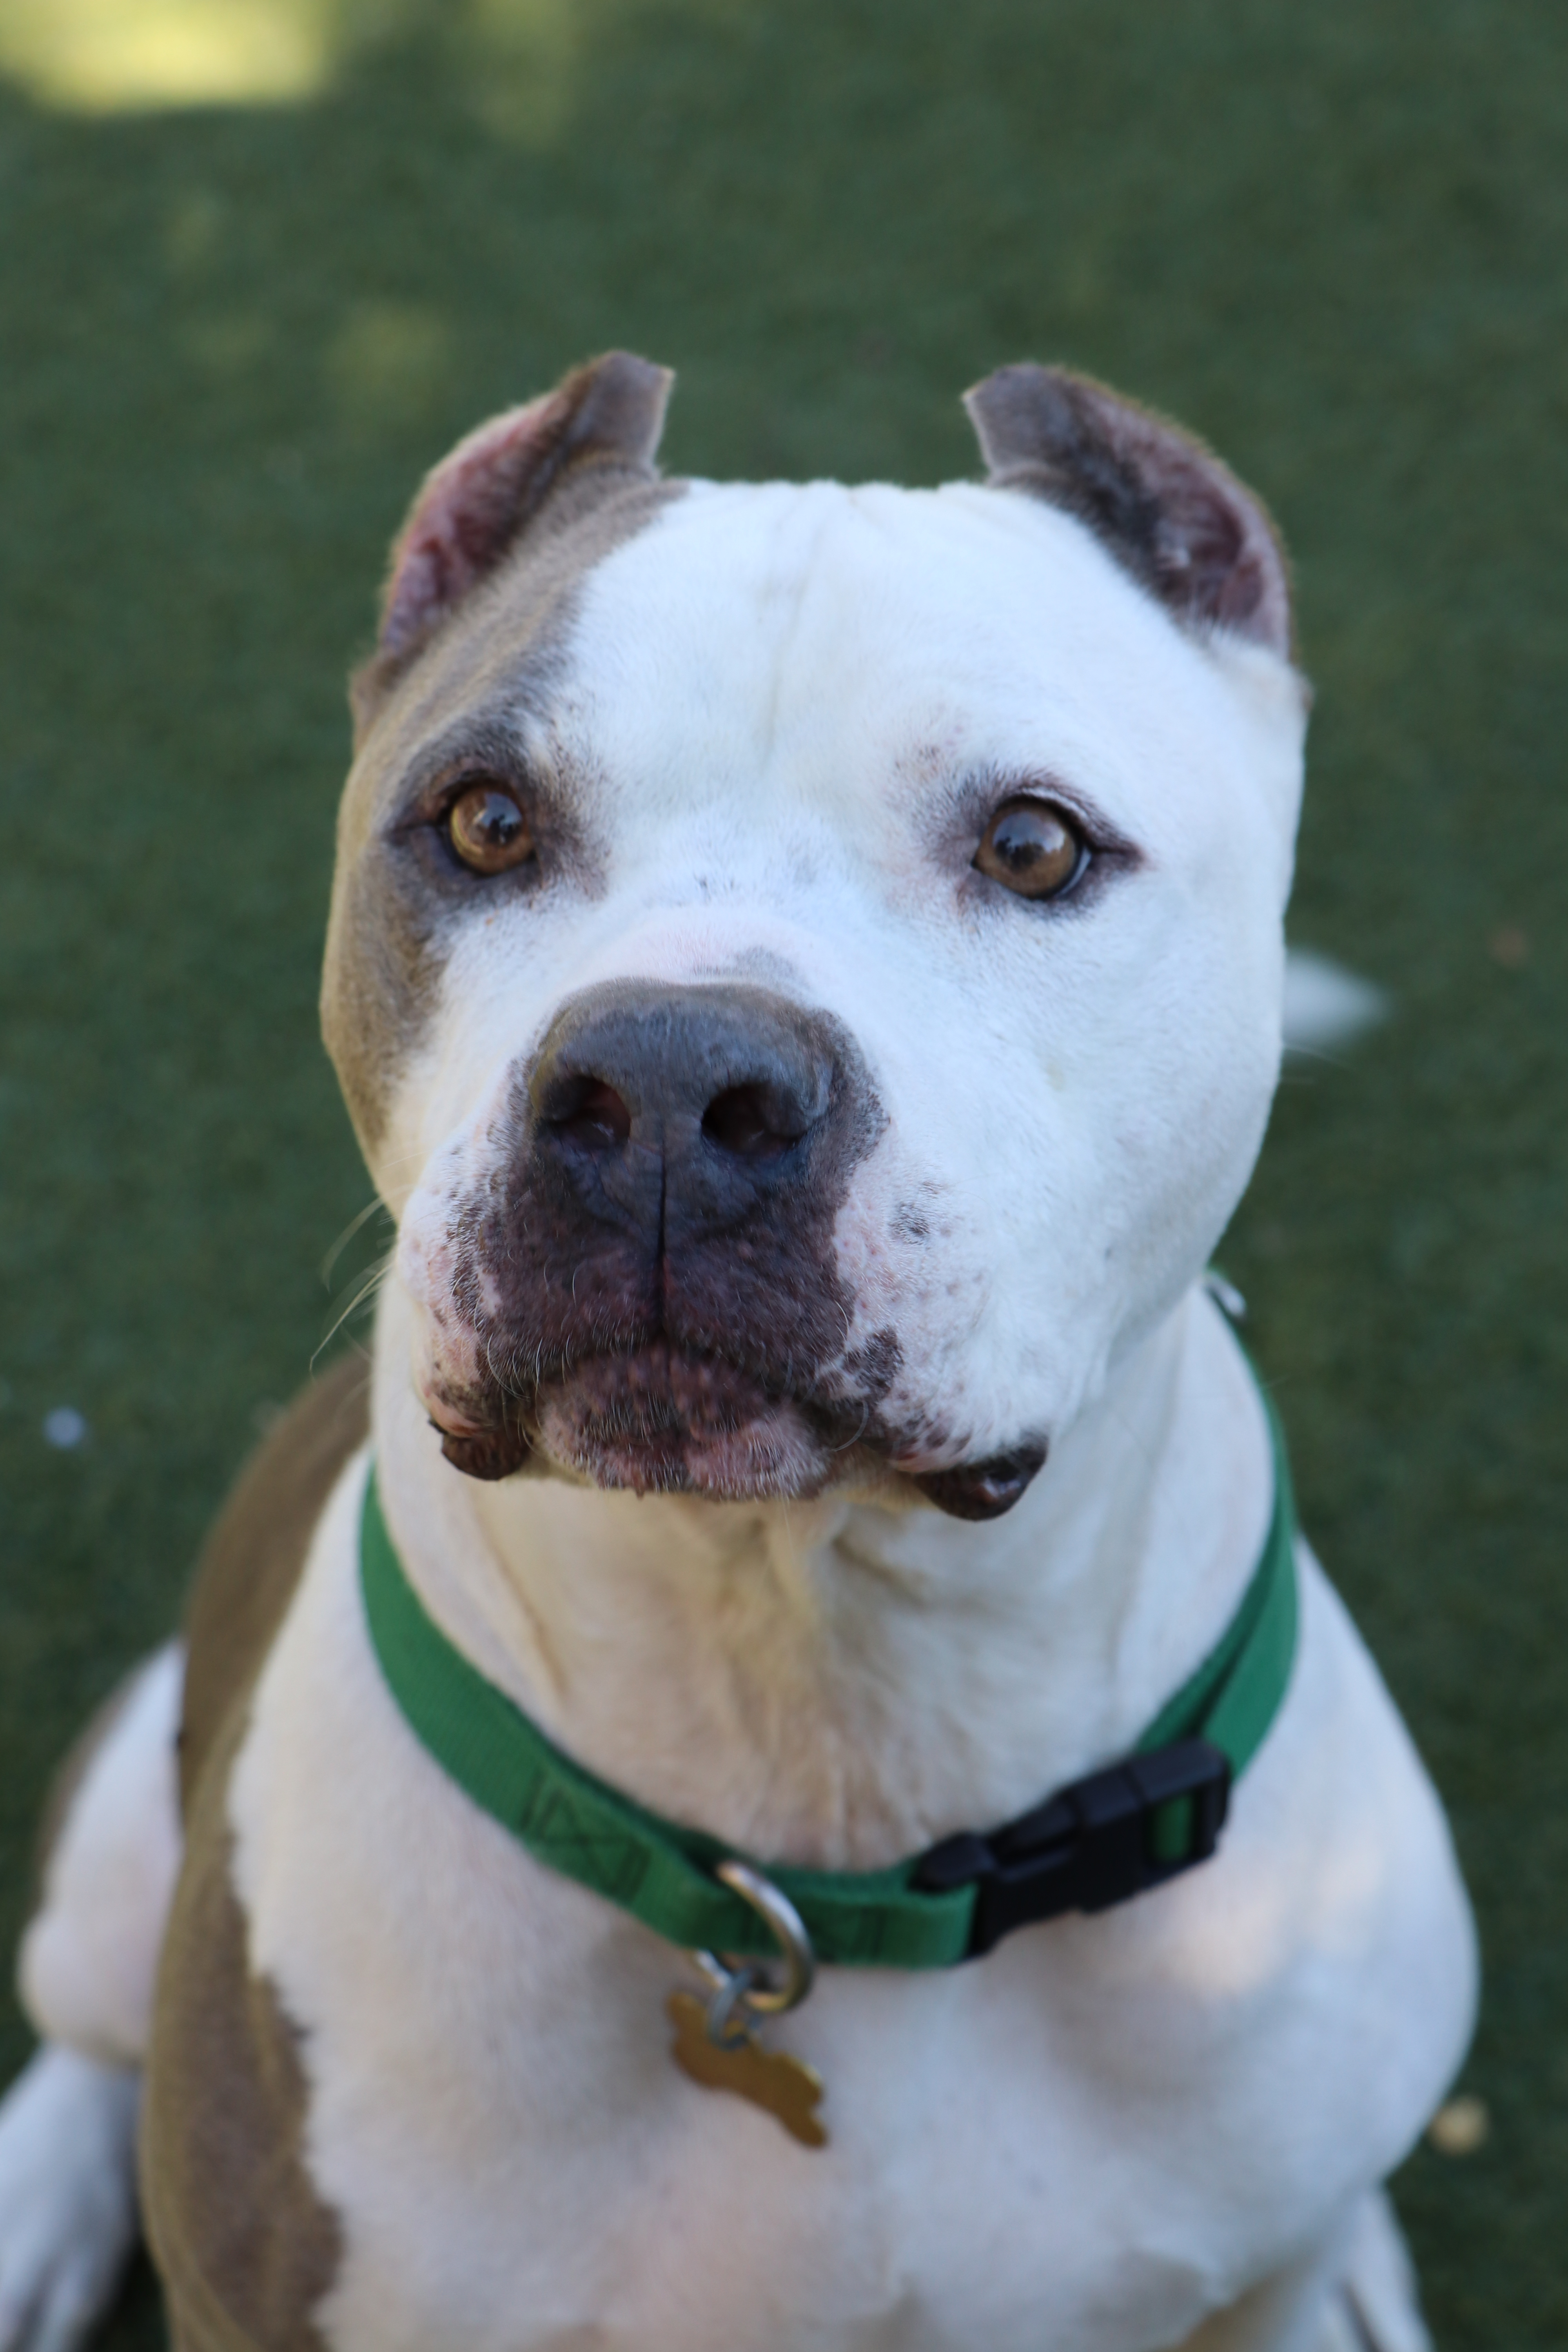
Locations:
column 261, row 260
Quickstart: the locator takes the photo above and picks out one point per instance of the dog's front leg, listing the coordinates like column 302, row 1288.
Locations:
column 67, row 2125
column 1356, row 2292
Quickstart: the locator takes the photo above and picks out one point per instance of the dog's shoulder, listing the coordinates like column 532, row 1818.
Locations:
column 255, row 1553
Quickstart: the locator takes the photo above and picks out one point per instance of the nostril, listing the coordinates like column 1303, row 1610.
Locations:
column 753, row 1123
column 592, row 1115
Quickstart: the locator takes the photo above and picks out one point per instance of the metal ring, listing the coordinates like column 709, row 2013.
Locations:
column 742, row 1988
column 727, row 2022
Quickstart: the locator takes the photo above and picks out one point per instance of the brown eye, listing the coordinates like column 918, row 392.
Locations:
column 1031, row 847
column 487, row 829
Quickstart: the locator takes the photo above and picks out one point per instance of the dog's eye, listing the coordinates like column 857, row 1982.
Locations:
column 488, row 828
column 1030, row 846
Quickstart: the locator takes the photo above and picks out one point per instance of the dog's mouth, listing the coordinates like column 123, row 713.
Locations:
column 661, row 1421
column 655, row 1420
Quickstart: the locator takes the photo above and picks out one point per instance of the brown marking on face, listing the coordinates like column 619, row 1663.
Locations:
column 506, row 650
column 909, row 1222
column 874, row 1365
column 245, row 2247
column 1162, row 504
column 476, row 503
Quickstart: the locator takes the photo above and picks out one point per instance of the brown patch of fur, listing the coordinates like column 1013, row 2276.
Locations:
column 245, row 2246
column 253, row 1557
column 478, row 501
column 388, row 938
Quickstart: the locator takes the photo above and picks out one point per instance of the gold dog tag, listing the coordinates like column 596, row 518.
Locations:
column 787, row 2088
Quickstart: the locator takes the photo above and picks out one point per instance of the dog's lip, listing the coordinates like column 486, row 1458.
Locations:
column 617, row 1450
column 663, row 1420
column 655, row 1417
column 638, row 1432
column 446, row 1417
column 917, row 1461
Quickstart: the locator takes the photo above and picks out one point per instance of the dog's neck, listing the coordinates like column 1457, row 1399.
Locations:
column 838, row 1682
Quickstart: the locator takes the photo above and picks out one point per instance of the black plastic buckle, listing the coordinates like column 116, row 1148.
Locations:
column 1090, row 1846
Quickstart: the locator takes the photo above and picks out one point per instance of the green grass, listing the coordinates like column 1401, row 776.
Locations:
column 1332, row 238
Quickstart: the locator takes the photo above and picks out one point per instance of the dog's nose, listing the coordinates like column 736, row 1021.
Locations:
column 676, row 1111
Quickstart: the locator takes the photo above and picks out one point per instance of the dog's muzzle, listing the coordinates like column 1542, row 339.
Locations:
column 651, row 1272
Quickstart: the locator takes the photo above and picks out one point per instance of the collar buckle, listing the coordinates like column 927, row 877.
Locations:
column 1098, row 1842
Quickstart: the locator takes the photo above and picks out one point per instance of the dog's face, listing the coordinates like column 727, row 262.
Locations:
column 805, row 962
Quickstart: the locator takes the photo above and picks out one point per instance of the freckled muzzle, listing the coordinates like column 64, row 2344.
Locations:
column 650, row 1268
column 649, row 1271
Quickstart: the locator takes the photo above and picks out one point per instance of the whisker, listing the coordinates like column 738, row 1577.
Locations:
column 859, row 1434
column 343, row 1239
column 368, row 1286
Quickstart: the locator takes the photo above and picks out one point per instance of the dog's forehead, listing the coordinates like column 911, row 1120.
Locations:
column 815, row 638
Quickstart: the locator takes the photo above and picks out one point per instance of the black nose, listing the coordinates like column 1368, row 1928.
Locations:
column 676, row 1111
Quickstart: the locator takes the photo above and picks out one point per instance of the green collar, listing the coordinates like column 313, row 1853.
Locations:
column 1102, row 1839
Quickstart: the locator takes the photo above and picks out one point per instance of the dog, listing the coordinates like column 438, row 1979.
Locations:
column 805, row 970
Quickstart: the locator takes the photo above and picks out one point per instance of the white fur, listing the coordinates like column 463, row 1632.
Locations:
column 86, row 1974
column 68, row 2198
column 91, row 1953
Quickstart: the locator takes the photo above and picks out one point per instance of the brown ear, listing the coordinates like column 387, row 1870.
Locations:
column 1171, row 514
column 478, row 501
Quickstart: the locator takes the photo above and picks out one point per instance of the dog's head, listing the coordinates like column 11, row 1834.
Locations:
column 805, row 962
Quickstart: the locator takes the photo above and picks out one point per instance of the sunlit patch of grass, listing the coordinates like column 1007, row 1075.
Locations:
column 112, row 57
column 102, row 57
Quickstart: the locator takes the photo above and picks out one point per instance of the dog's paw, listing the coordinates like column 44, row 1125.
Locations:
column 68, row 2198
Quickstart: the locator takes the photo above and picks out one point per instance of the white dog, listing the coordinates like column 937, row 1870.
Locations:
column 805, row 968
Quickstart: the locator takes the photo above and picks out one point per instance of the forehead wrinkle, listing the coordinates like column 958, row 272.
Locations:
column 714, row 629
column 789, row 586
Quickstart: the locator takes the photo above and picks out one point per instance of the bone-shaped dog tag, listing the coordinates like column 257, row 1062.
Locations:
column 787, row 2088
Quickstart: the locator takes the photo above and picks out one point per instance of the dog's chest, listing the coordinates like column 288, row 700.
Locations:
column 1086, row 2134
column 571, row 2188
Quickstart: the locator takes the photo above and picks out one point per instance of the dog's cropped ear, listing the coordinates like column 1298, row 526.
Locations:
column 1160, row 502
column 476, row 503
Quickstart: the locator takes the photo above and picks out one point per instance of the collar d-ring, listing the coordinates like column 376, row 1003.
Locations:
column 741, row 1988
